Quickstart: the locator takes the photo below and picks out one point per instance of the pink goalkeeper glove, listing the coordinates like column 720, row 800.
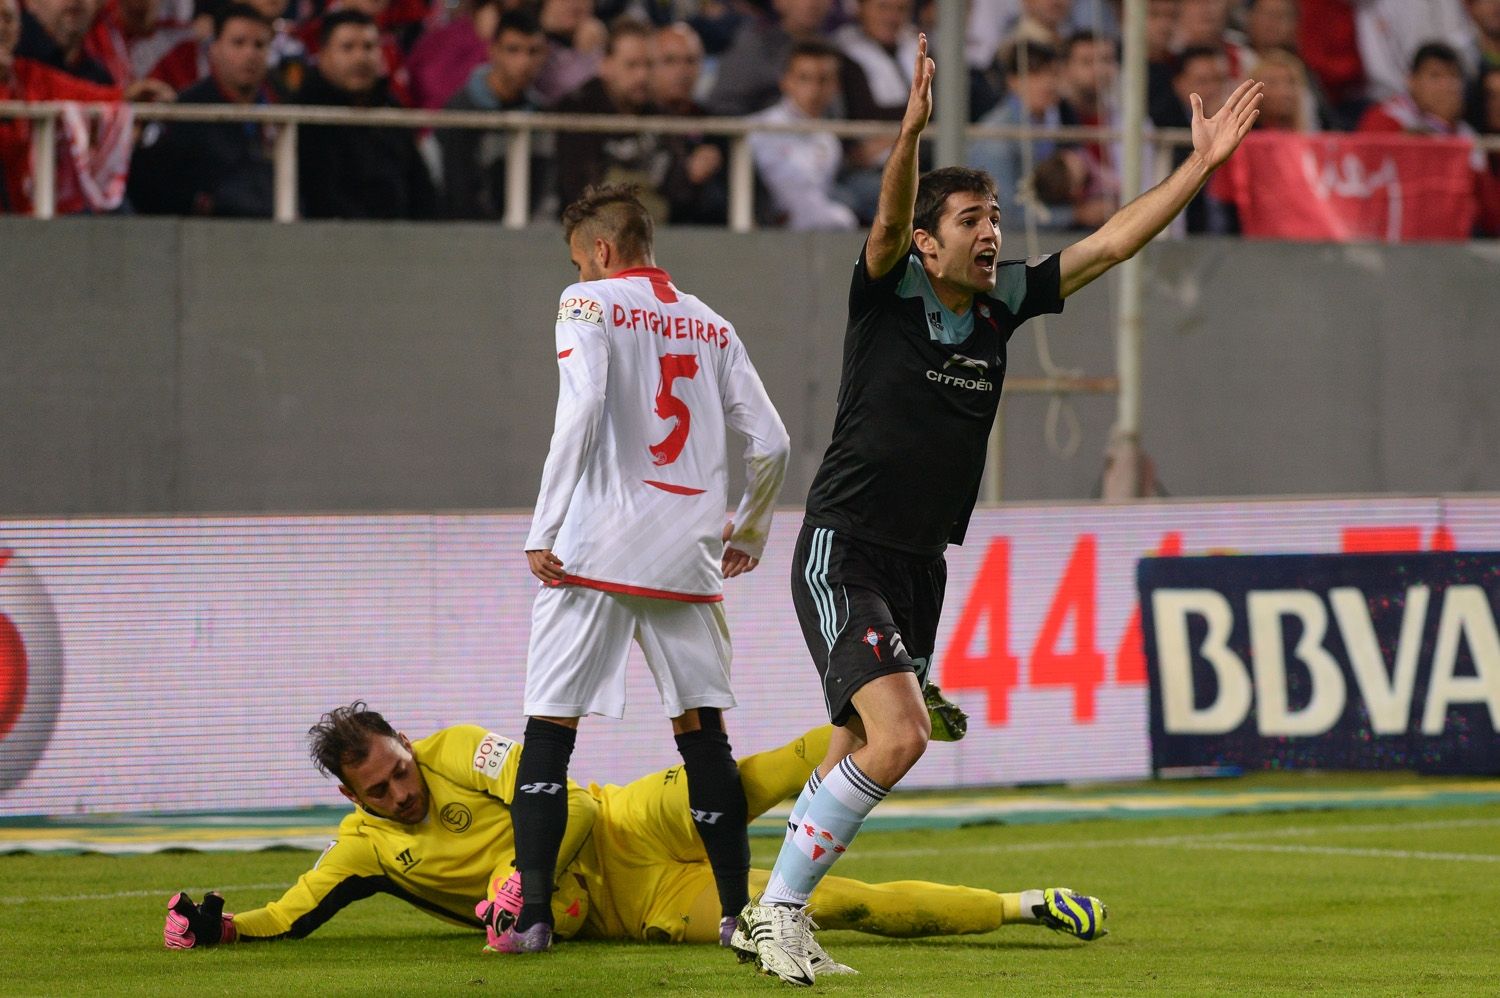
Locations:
column 192, row 925
column 500, row 914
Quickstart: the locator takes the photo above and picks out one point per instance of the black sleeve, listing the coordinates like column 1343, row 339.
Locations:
column 865, row 293
column 1029, row 289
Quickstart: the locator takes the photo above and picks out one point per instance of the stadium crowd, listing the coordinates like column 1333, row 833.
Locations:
column 1420, row 67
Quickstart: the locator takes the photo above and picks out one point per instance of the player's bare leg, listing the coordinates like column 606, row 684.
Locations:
column 895, row 729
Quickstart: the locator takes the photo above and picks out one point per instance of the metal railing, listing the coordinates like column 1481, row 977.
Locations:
column 522, row 126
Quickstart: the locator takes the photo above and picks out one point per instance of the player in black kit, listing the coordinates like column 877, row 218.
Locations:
column 931, row 307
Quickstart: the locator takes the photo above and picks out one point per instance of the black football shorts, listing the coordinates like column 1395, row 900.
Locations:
column 866, row 611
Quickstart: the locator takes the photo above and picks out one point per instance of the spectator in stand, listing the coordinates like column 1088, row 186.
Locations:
column 1033, row 85
column 1485, row 18
column 357, row 171
column 214, row 168
column 575, row 48
column 1043, row 21
column 1433, row 103
column 1091, row 72
column 1389, row 32
column 127, row 37
column 1201, row 70
column 1484, row 110
column 696, row 185
column 800, row 170
column 52, row 33
column 883, row 41
column 443, row 60
column 713, row 21
column 26, row 79
column 1271, row 24
column 991, row 21
column 750, row 73
column 1487, row 121
column 288, row 56
column 1205, row 24
column 185, row 63
column 474, row 161
column 1289, row 104
column 1161, row 32
column 623, row 86
column 1326, row 43
column 1064, row 185
column 391, row 27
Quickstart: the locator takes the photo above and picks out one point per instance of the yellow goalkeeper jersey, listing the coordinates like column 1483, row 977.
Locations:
column 444, row 864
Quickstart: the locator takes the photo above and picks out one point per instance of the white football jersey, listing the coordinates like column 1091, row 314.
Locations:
column 634, row 491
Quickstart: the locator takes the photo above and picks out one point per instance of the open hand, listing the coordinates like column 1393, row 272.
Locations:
column 1214, row 139
column 919, row 102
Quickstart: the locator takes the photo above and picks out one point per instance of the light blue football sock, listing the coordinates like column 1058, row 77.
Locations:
column 832, row 819
column 800, row 807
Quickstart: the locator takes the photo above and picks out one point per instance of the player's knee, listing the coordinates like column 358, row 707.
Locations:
column 710, row 719
column 904, row 741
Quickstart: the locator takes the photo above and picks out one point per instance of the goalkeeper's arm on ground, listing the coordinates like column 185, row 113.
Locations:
column 346, row 872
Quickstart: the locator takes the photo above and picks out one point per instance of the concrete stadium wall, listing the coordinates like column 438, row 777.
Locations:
column 185, row 366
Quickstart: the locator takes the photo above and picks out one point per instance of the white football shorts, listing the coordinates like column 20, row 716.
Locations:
column 580, row 640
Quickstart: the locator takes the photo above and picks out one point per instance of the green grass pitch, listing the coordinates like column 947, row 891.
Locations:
column 1392, row 902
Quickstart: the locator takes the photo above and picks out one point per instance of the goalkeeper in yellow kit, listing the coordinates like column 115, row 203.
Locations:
column 432, row 826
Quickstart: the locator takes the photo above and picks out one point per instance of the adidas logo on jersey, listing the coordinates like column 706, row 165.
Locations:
column 541, row 788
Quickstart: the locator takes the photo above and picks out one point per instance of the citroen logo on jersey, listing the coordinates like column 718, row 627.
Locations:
column 456, row 817
column 981, row 367
column 407, row 860
column 541, row 788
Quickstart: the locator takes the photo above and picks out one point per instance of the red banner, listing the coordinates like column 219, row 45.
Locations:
column 1352, row 188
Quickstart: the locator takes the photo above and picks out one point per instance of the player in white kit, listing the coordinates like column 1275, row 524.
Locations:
column 630, row 542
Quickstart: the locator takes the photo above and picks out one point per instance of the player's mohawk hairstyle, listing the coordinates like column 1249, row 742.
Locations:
column 343, row 736
column 613, row 212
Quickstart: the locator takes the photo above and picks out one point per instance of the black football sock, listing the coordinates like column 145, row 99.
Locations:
column 539, row 814
column 717, row 799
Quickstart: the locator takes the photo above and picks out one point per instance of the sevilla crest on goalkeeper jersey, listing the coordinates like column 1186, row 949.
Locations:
column 634, row 492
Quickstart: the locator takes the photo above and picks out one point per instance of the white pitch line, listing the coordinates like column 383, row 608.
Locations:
column 1454, row 857
column 1190, row 840
column 1221, row 840
column 114, row 895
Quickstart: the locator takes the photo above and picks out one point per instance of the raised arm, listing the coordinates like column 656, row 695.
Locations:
column 890, row 236
column 1136, row 224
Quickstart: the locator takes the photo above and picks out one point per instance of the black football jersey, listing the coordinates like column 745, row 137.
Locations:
column 917, row 398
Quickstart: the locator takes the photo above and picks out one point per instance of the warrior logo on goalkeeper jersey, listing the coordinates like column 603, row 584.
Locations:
column 819, row 842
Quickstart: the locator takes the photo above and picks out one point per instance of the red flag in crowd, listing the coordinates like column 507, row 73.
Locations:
column 1348, row 188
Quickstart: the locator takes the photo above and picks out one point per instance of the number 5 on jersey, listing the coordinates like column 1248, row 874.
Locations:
column 669, row 406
